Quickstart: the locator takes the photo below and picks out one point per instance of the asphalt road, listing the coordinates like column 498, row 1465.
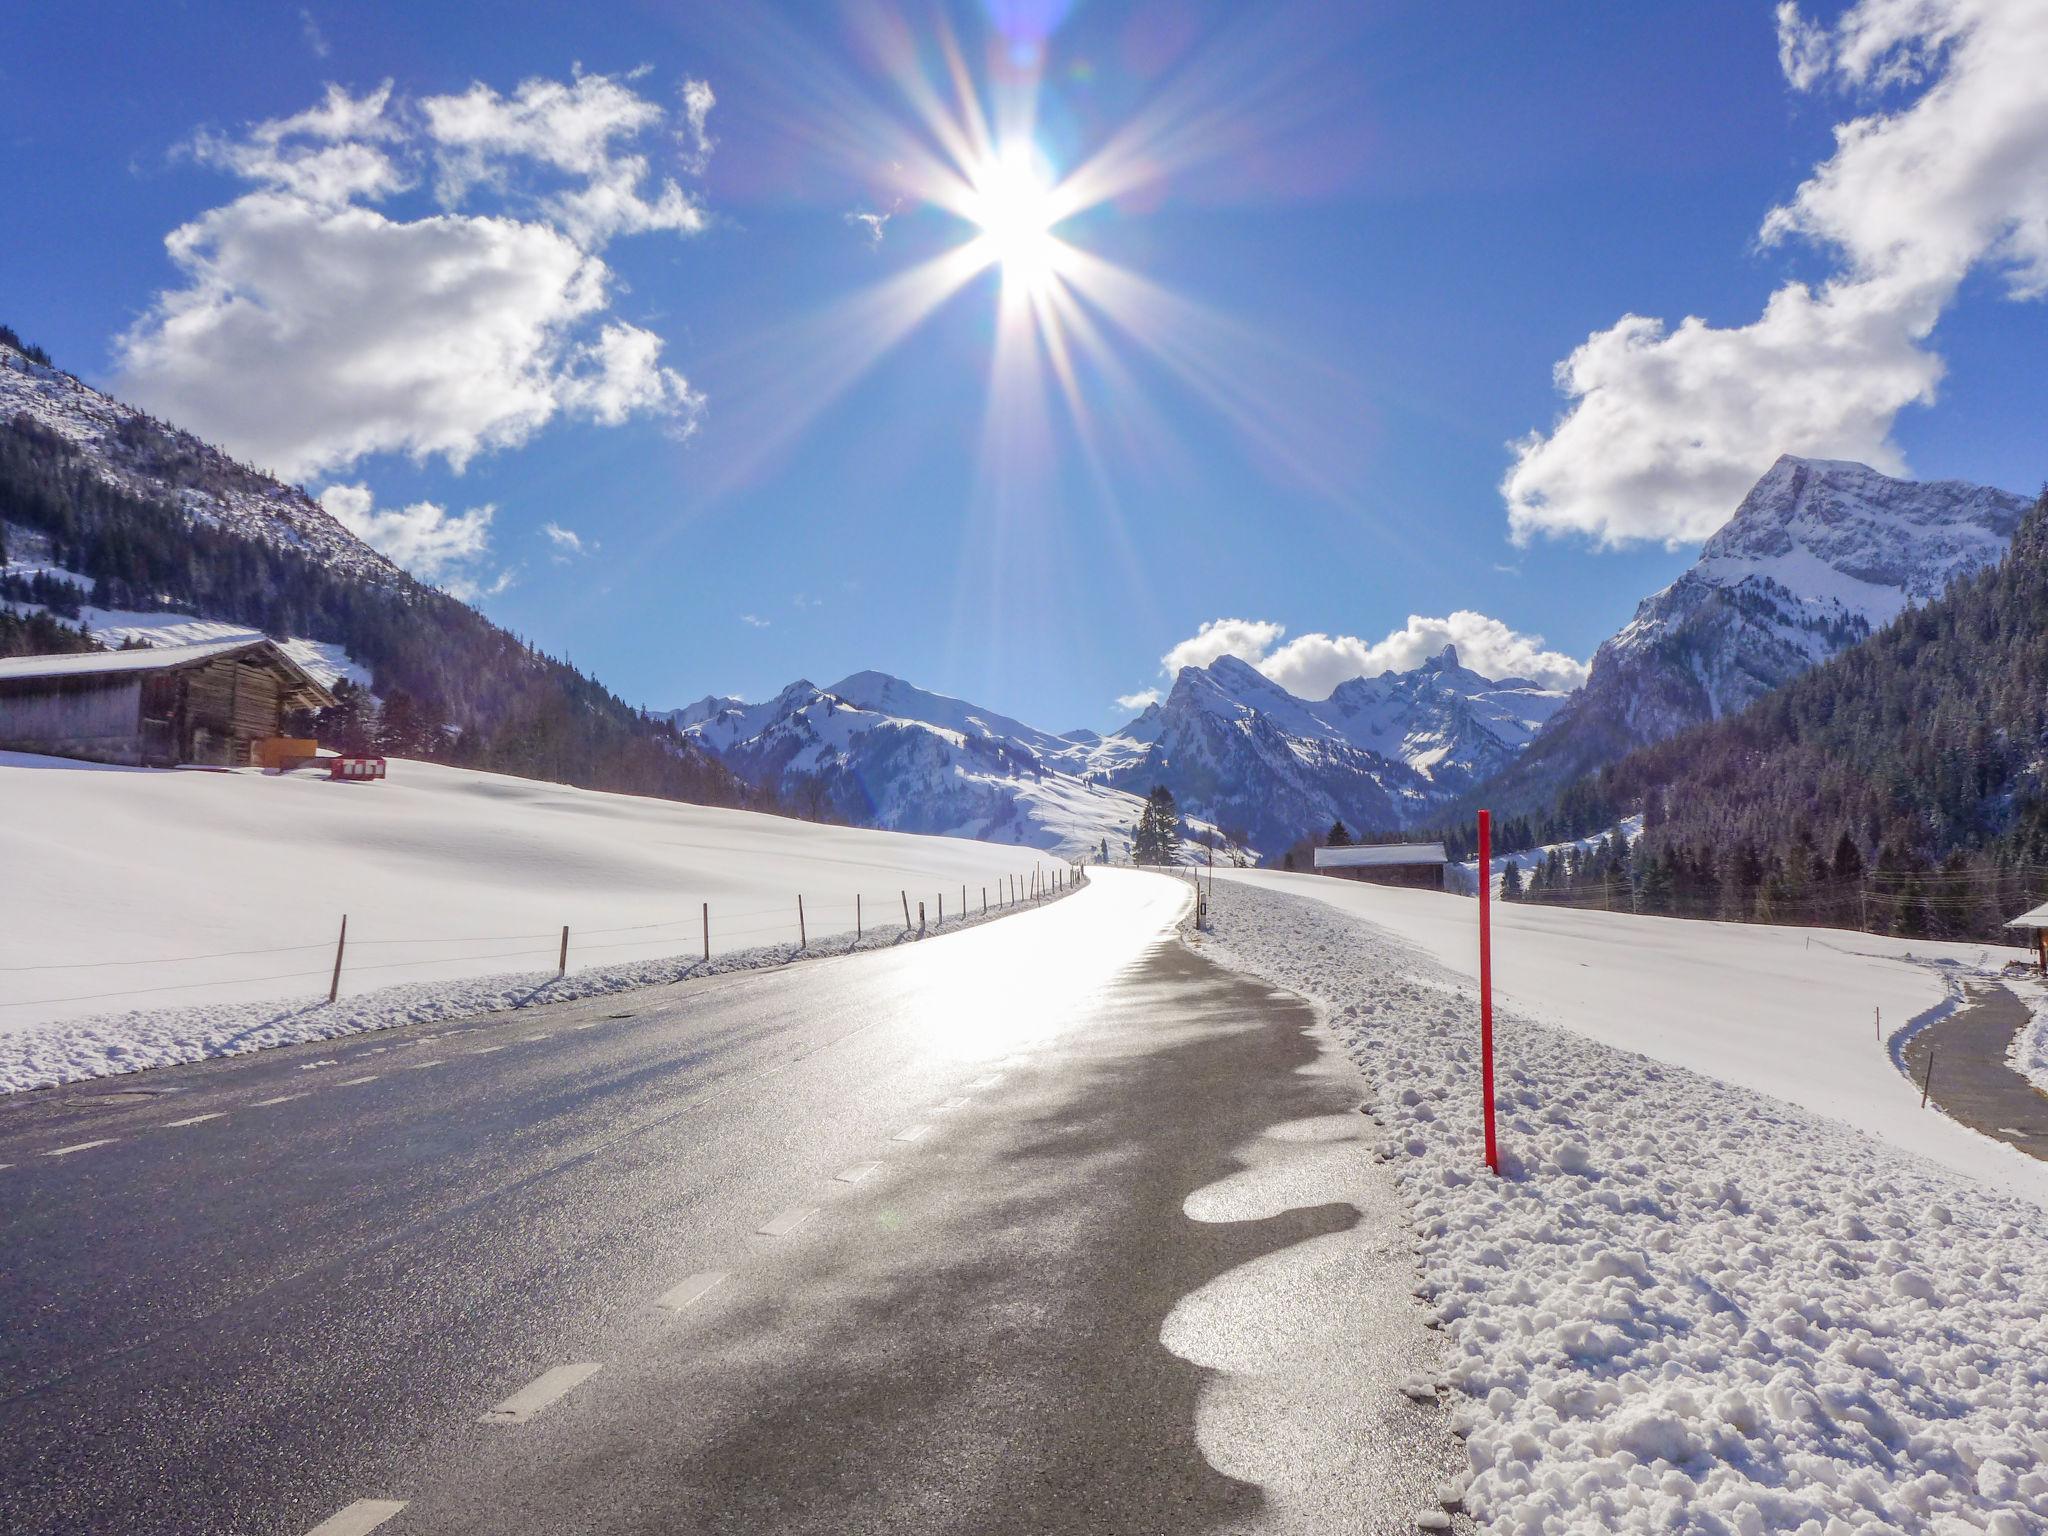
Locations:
column 1972, row 1082
column 877, row 1243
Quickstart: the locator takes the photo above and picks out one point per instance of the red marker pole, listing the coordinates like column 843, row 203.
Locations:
column 1486, row 979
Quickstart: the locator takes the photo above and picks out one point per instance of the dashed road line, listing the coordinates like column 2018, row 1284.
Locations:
column 358, row 1518
column 218, row 1114
column 485, row 1050
column 544, row 1390
column 350, row 1082
column 983, row 1084
column 591, row 1025
column 912, row 1133
column 787, row 1222
column 416, row 1066
column 81, row 1146
column 856, row 1173
column 956, row 1103
column 680, row 1298
column 545, row 1034
column 282, row 1098
column 308, row 1066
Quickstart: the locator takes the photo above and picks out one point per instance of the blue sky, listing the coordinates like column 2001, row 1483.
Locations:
column 1361, row 239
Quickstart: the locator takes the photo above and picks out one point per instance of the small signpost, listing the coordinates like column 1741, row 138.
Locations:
column 1486, row 980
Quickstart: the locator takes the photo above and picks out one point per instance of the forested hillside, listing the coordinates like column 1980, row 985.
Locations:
column 1901, row 786
column 454, row 687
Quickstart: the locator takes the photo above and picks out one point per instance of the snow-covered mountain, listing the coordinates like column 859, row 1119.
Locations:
column 1820, row 554
column 145, row 457
column 881, row 752
column 1240, row 752
column 1380, row 753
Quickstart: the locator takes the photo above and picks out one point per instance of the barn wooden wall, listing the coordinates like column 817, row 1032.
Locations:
column 98, row 719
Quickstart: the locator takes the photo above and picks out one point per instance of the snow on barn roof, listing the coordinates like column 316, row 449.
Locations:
column 2038, row 918
column 1380, row 855
column 156, row 658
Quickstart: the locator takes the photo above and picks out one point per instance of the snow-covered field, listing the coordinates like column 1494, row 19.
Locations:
column 1687, row 1305
column 160, row 916
column 1814, row 1016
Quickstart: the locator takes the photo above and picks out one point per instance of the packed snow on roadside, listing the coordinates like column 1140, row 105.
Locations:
column 1686, row 1305
column 157, row 917
column 2029, row 1054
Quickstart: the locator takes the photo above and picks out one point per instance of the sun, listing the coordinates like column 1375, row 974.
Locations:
column 1011, row 201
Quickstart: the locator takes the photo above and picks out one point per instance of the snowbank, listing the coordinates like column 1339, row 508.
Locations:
column 1686, row 1306
column 130, row 889
column 1813, row 1016
column 2029, row 1054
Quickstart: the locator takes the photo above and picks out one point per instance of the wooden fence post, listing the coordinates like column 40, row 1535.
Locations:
column 1927, row 1082
column 942, row 909
column 906, row 910
column 856, row 917
column 920, row 917
column 707, row 933
column 803, row 938
column 562, row 965
column 340, row 944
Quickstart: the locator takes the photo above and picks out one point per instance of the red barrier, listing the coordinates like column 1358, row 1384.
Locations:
column 1486, row 979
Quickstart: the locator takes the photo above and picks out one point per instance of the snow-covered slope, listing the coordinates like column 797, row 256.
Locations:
column 1820, row 554
column 881, row 752
column 1380, row 752
column 138, row 889
column 140, row 454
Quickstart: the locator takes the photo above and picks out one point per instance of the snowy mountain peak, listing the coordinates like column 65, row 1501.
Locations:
column 1820, row 553
column 1836, row 533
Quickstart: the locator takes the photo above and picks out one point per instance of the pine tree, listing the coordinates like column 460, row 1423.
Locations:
column 1340, row 835
column 1511, row 882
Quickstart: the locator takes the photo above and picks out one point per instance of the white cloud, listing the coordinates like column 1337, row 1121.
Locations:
column 1311, row 665
column 697, row 144
column 1248, row 639
column 309, row 29
column 1668, row 427
column 445, row 548
column 871, row 225
column 569, row 544
column 754, row 621
column 313, row 328
column 1144, row 698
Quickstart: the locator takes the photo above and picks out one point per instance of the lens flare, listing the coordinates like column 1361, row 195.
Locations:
column 1010, row 200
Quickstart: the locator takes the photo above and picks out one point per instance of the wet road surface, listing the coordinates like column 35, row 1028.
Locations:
column 881, row 1243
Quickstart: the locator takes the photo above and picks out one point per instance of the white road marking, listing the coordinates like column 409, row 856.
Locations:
column 856, row 1173
column 543, row 1035
column 591, row 1025
column 485, row 1050
column 694, row 1289
column 788, row 1221
column 911, row 1133
column 543, row 1390
column 959, row 1103
column 282, row 1098
column 218, row 1114
column 983, row 1084
column 308, row 1066
column 362, row 1516
column 81, row 1146
column 6, row 1165
column 350, row 1082
column 414, row 1066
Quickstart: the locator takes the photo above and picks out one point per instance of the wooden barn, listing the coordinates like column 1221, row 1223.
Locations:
column 1413, row 864
column 207, row 704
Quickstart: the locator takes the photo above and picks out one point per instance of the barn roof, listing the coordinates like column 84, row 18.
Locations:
column 2038, row 918
column 1380, row 855
column 161, row 658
